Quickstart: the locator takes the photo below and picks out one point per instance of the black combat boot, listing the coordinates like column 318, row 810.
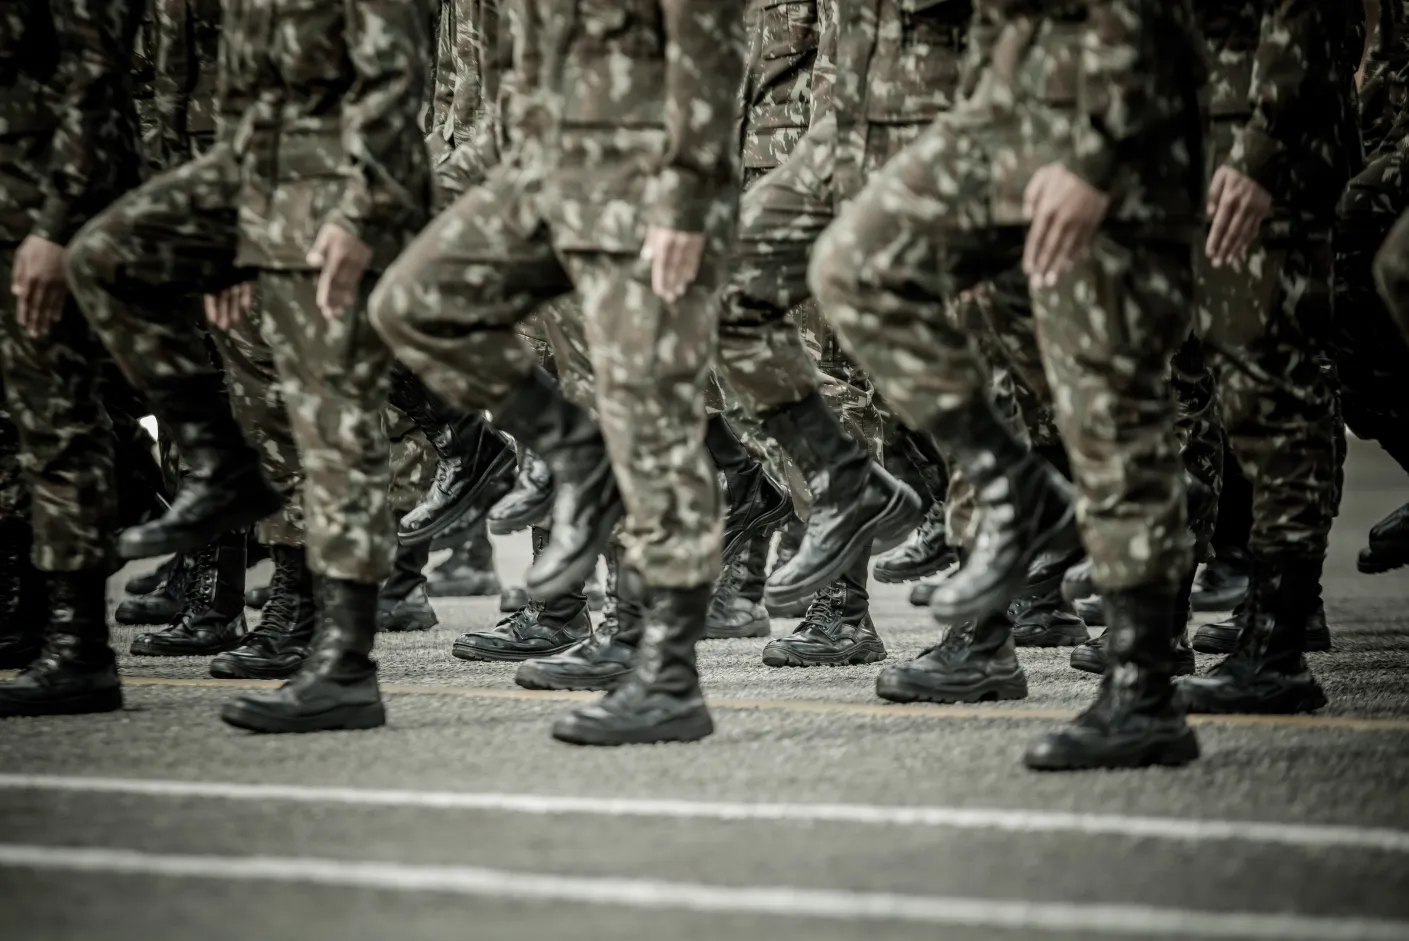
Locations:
column 1389, row 544
column 22, row 612
column 402, row 604
column 921, row 593
column 1223, row 583
column 734, row 606
column 1077, row 583
column 661, row 700
column 475, row 464
column 855, row 501
column 1046, row 620
column 149, row 582
column 975, row 662
column 531, row 500
column 279, row 643
column 754, row 503
column 539, row 629
column 603, row 659
column 336, row 688
column 789, row 538
column 258, row 596
column 469, row 572
column 164, row 604
column 1266, row 673
column 925, row 551
column 76, row 671
column 1024, row 509
column 225, row 490
column 837, row 629
column 1135, row 720
column 1091, row 657
column 213, row 613
column 586, row 503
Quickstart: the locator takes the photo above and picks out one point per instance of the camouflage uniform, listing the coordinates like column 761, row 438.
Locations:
column 617, row 138
column 947, row 215
column 331, row 134
column 76, row 111
column 1282, row 97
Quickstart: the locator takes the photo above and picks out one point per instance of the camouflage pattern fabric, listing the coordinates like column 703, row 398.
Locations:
column 946, row 216
column 777, row 96
column 186, row 57
column 14, row 495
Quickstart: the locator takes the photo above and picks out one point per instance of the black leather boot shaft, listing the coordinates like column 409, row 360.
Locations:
column 75, row 672
column 22, row 596
column 213, row 609
column 277, row 646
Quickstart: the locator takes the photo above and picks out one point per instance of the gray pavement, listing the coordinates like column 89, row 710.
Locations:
column 787, row 824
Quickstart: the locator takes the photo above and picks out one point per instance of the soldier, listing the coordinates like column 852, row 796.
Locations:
column 626, row 196
column 1094, row 194
column 68, row 96
column 324, row 179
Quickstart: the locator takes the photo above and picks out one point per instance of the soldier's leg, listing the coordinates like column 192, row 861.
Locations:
column 22, row 613
column 1265, row 338
column 133, row 269
column 402, row 604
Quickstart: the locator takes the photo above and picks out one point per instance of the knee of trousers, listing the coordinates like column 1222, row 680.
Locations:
column 834, row 273
column 395, row 303
column 92, row 257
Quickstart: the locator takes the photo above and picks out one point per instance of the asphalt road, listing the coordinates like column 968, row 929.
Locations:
column 816, row 812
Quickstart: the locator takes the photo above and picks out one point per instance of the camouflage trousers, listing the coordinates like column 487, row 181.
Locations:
column 1371, row 355
column 921, row 233
column 177, row 235
column 63, row 449
column 14, row 495
column 451, row 305
column 1262, row 326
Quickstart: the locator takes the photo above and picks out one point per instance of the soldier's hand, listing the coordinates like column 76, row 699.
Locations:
column 1237, row 205
column 37, row 281
column 343, row 258
column 675, row 261
column 1065, row 212
column 225, row 309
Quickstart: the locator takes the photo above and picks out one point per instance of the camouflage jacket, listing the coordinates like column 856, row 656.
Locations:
column 1110, row 88
column 1282, row 97
column 645, row 97
column 70, row 143
column 187, row 52
column 1384, row 99
column 462, row 102
column 331, row 131
column 783, row 37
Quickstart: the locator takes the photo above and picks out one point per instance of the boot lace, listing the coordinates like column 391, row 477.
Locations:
column 200, row 584
column 822, row 614
column 280, row 611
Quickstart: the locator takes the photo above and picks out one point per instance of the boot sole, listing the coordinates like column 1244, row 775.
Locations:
column 1096, row 664
column 895, row 522
column 1001, row 689
column 689, row 728
column 530, row 678
column 248, row 673
column 857, row 656
column 466, row 652
column 370, row 716
column 508, row 525
column 1207, row 639
column 1371, row 562
column 130, row 547
column 459, row 510
column 108, row 700
column 895, row 575
column 147, row 650
column 1171, row 753
column 1289, row 702
column 1050, row 639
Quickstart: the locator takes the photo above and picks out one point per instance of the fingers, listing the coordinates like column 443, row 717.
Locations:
column 675, row 259
column 1036, row 248
column 317, row 255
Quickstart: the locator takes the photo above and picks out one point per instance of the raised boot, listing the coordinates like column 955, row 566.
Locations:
column 1267, row 672
column 530, row 501
column 837, row 629
column 754, row 504
column 336, row 687
column 22, row 612
column 75, row 672
column 225, row 490
column 1024, row 509
column 1388, row 548
column 1091, row 657
column 975, row 662
column 257, row 597
column 661, row 700
column 539, row 629
column 469, row 572
column 1135, row 720
column 603, row 658
column 279, row 643
column 165, row 603
column 474, row 467
column 586, row 502
column 925, row 551
column 789, row 538
column 734, row 609
column 213, row 613
column 855, row 501
column 148, row 582
column 1046, row 620
column 402, row 604
column 1222, row 636
column 1223, row 583
column 921, row 593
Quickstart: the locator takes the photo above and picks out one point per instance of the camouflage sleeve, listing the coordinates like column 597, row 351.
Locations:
column 445, row 72
column 704, row 72
column 1119, row 64
column 234, row 90
column 1297, row 43
column 824, row 67
column 381, row 113
column 172, row 82
column 94, row 148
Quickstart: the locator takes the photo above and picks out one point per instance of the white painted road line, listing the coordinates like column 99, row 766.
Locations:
column 783, row 902
column 1311, row 836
